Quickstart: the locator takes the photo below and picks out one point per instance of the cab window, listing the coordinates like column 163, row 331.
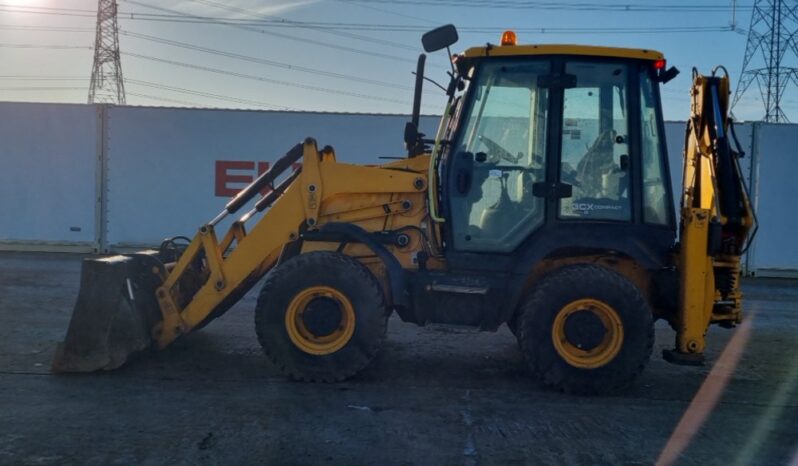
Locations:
column 655, row 201
column 595, row 143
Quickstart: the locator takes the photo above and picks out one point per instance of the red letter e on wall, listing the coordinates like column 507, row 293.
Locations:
column 224, row 178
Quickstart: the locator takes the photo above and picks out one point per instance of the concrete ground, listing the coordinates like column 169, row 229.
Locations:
column 435, row 396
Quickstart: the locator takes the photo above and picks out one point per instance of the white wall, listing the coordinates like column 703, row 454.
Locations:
column 775, row 250
column 48, row 194
column 674, row 135
column 162, row 167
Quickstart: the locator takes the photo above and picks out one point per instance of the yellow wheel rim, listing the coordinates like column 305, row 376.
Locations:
column 605, row 351
column 303, row 337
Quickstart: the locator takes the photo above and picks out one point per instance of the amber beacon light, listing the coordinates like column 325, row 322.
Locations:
column 508, row 38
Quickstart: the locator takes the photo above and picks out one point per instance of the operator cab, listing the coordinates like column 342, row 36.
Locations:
column 545, row 135
column 545, row 154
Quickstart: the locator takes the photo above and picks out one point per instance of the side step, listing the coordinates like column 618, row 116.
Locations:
column 483, row 290
column 457, row 299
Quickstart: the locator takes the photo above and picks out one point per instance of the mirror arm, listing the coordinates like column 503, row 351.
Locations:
column 451, row 62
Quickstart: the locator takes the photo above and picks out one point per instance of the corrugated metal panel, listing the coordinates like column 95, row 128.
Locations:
column 775, row 251
column 47, row 184
column 171, row 170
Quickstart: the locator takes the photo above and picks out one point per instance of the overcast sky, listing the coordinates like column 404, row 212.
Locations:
column 361, row 68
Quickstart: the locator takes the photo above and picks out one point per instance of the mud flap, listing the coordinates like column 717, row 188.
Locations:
column 113, row 316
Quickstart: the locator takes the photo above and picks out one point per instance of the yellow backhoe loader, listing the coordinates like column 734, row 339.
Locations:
column 544, row 202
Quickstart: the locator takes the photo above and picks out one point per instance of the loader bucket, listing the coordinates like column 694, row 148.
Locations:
column 113, row 316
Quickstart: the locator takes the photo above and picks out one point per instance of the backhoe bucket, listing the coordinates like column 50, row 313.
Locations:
column 112, row 319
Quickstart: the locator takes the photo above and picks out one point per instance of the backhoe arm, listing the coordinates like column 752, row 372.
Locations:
column 716, row 218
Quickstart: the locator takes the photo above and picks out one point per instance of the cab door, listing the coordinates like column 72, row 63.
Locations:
column 499, row 154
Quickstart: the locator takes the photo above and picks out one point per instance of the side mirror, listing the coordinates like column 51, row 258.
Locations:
column 665, row 76
column 439, row 38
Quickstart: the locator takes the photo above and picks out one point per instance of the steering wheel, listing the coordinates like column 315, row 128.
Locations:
column 498, row 150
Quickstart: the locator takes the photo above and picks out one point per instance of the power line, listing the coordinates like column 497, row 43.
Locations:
column 23, row 77
column 16, row 27
column 83, row 89
column 248, row 24
column 46, row 78
column 225, row 72
column 394, row 13
column 189, row 46
column 251, row 24
column 262, row 61
column 339, row 26
column 518, row 4
column 628, row 30
column 136, row 82
column 180, row 17
column 163, row 99
column 369, row 39
column 555, row 5
column 90, row 13
column 260, row 78
column 43, row 88
column 49, row 11
column 182, row 90
column 276, row 34
column 46, row 46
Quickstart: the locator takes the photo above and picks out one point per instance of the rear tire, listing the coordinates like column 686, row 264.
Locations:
column 586, row 329
column 321, row 317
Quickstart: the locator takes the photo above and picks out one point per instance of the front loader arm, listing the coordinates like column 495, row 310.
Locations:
column 716, row 218
column 293, row 206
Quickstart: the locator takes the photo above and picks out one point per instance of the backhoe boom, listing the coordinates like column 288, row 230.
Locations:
column 716, row 217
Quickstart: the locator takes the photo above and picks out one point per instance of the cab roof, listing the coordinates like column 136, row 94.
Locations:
column 560, row 49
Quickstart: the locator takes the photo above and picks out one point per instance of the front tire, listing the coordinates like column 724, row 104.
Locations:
column 321, row 317
column 586, row 329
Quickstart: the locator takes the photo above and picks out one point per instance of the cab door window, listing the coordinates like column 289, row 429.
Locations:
column 595, row 143
column 655, row 192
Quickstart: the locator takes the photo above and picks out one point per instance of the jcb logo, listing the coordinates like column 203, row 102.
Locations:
column 584, row 207
column 231, row 176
